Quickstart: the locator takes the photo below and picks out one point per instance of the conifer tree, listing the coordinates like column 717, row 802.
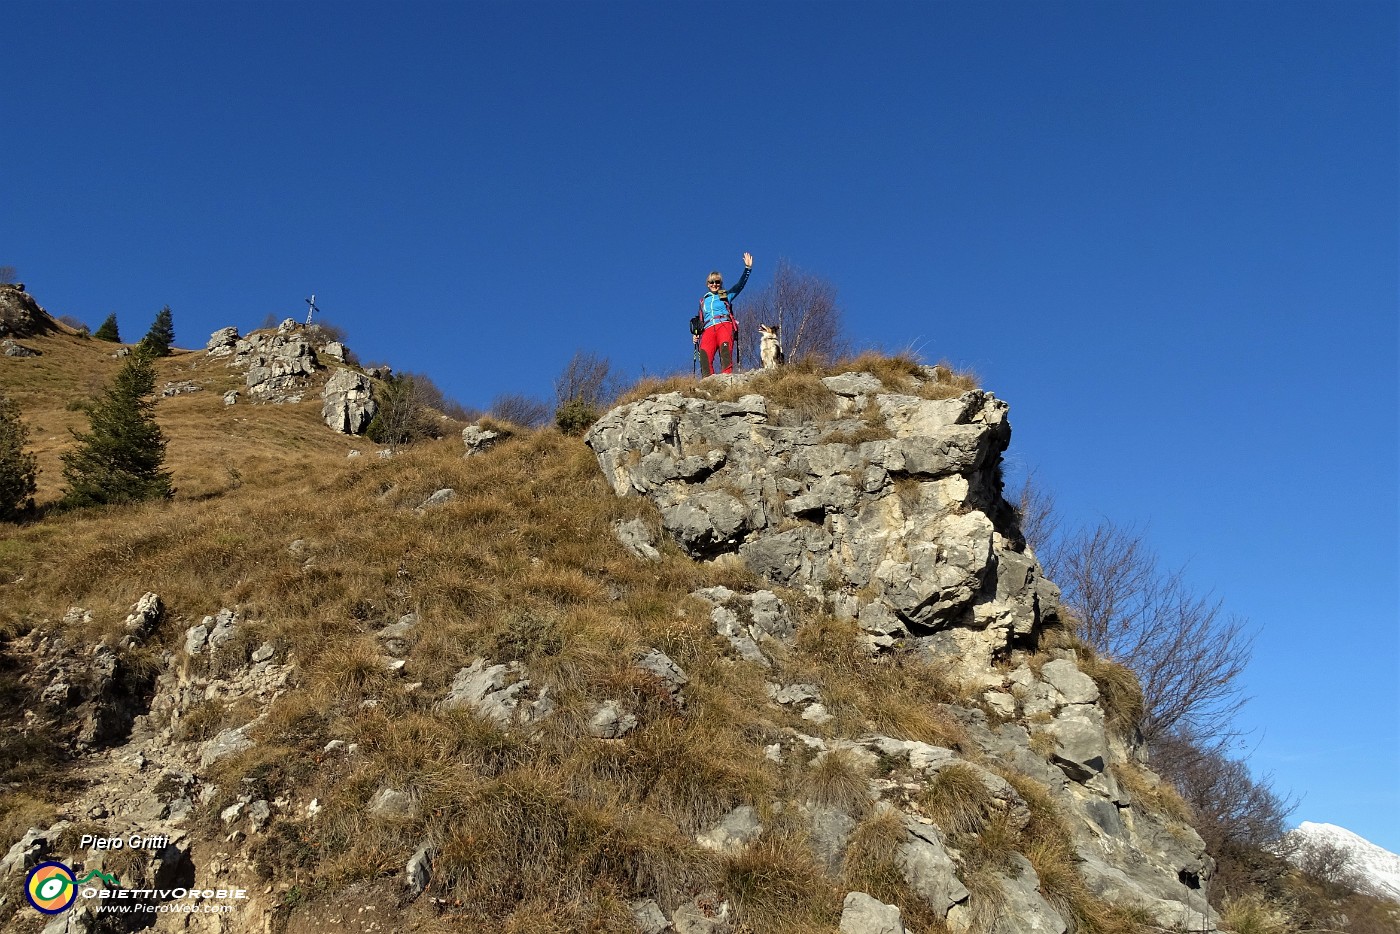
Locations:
column 161, row 335
column 108, row 330
column 17, row 469
column 119, row 459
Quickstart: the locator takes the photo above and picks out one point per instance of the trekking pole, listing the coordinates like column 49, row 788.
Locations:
column 738, row 366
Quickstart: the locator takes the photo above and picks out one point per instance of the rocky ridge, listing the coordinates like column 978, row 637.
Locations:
column 888, row 508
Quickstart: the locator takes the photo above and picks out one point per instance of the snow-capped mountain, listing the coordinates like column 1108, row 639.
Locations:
column 1377, row 867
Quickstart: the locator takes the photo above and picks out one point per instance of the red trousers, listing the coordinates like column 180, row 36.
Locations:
column 710, row 340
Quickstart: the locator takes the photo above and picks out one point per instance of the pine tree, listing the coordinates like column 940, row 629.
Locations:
column 108, row 330
column 161, row 335
column 119, row 459
column 17, row 469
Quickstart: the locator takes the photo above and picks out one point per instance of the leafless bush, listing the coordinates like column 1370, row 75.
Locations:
column 587, row 378
column 1328, row 862
column 519, row 409
column 431, row 395
column 8, row 275
column 1040, row 521
column 804, row 307
column 405, row 413
column 1232, row 807
column 1186, row 652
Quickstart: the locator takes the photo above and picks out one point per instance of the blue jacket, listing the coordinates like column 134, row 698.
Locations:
column 718, row 306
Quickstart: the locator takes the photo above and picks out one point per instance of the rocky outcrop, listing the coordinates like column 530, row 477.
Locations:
column 12, row 349
column 20, row 315
column 348, row 403
column 890, row 511
column 279, row 363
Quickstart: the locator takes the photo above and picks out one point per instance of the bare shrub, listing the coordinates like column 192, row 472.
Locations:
column 405, row 413
column 1187, row 654
column 1328, row 862
column 8, row 275
column 588, row 378
column 582, row 390
column 1235, row 812
column 1040, row 521
column 804, row 307
column 519, row 409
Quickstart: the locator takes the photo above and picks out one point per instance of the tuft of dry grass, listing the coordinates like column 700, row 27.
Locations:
column 839, row 780
column 1119, row 689
column 957, row 800
column 1251, row 913
column 1152, row 793
column 778, row 887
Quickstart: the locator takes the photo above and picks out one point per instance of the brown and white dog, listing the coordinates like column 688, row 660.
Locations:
column 769, row 350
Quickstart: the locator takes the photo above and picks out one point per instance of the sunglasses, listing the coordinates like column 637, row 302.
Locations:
column 716, row 282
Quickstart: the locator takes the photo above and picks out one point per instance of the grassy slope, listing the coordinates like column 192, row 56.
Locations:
column 541, row 831
column 520, row 566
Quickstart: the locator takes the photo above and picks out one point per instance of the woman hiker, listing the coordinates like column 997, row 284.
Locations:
column 717, row 332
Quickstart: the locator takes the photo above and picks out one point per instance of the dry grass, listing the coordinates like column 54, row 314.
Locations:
column 957, row 800
column 839, row 780
column 1252, row 914
column 1151, row 793
column 1048, row 847
column 894, row 694
column 537, row 828
column 778, row 887
column 1119, row 690
column 871, row 866
column 520, row 566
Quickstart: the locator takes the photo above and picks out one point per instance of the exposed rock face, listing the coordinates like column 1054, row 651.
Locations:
column 348, row 404
column 12, row 349
column 20, row 315
column 890, row 511
column 222, row 343
column 907, row 532
column 279, row 363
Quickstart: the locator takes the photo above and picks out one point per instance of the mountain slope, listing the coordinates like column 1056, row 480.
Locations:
column 1376, row 868
column 433, row 692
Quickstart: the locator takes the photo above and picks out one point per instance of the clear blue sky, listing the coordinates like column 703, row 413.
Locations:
column 1166, row 233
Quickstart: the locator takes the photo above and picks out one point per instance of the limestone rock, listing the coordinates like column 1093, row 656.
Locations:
column 734, row 832
column 391, row 802
column 437, row 499
column 20, row 315
column 610, row 721
column 908, row 534
column 647, row 913
column 1074, row 686
column 861, row 914
column 419, row 871
column 225, row 743
column 499, row 693
column 279, row 365
column 927, row 867
column 478, row 439
column 657, row 663
column 222, row 342
column 636, row 537
column 347, row 402
column 145, row 616
column 12, row 349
